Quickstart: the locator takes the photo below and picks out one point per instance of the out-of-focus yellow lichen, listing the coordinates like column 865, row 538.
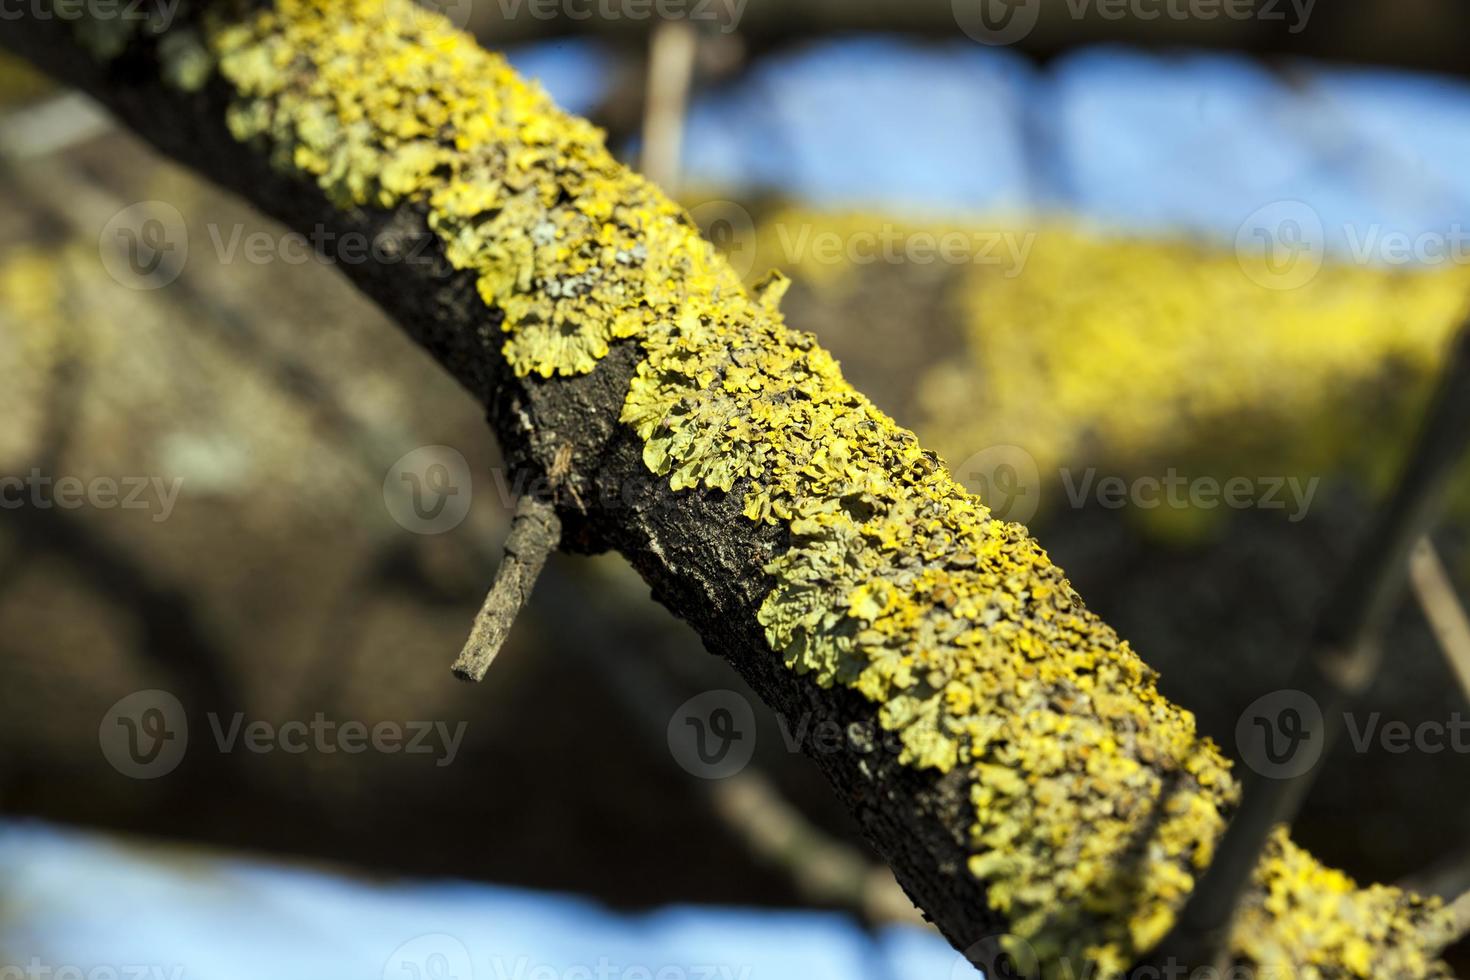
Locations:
column 969, row 641
column 1152, row 357
column 1128, row 342
column 19, row 82
column 37, row 335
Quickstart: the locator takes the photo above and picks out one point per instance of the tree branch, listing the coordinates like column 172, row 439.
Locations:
column 1005, row 752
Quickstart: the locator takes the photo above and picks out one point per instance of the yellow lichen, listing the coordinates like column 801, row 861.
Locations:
column 969, row 641
column 19, row 82
column 1138, row 352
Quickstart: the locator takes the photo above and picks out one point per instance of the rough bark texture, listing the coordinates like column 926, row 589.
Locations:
column 699, row 547
column 702, row 559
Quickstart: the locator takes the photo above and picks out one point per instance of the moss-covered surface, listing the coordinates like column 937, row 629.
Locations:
column 1095, row 802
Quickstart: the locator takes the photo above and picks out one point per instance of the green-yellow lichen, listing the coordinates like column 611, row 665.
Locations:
column 19, row 82
column 1096, row 804
column 1149, row 358
column 1129, row 342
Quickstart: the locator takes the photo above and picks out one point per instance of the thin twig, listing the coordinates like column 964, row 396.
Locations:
column 1457, row 923
column 1436, row 594
column 824, row 869
column 1445, row 878
column 535, row 532
column 1341, row 661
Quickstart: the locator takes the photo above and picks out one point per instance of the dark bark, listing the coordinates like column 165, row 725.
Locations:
column 700, row 556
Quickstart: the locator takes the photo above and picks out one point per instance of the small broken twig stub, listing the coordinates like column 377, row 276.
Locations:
column 535, row 532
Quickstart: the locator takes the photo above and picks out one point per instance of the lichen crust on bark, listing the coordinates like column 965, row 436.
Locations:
column 1095, row 803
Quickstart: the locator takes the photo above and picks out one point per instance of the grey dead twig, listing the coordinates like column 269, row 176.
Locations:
column 1435, row 591
column 535, row 532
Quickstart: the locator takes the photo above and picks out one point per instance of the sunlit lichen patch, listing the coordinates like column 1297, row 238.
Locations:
column 967, row 639
column 383, row 109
